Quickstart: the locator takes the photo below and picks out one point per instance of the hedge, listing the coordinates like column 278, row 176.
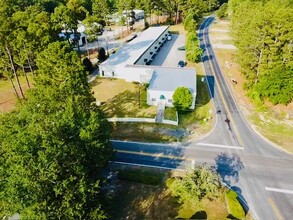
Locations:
column 141, row 176
column 233, row 205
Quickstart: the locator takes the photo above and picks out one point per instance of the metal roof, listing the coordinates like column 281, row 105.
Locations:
column 170, row 78
column 132, row 51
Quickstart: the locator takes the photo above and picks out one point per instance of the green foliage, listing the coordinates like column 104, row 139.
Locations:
column 87, row 64
column 141, row 176
column 201, row 182
column 223, row 11
column 189, row 22
column 182, row 98
column 54, row 146
column 234, row 207
column 264, row 47
column 193, row 51
column 277, row 86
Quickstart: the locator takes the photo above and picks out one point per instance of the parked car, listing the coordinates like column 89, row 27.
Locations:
column 181, row 63
column 169, row 37
column 181, row 48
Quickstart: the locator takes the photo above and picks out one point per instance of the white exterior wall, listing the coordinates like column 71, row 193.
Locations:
column 108, row 71
column 155, row 94
column 132, row 74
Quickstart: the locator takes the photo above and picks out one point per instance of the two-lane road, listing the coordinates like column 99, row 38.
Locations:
column 261, row 174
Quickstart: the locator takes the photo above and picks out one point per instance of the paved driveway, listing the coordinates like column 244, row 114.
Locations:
column 169, row 55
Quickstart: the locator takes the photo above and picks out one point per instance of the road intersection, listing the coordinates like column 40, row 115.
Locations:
column 260, row 173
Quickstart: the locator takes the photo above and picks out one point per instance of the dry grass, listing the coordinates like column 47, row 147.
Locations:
column 7, row 96
column 178, row 29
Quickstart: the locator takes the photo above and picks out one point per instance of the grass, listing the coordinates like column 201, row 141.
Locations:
column 7, row 96
column 177, row 29
column 274, row 130
column 141, row 176
column 122, row 99
column 145, row 132
column 170, row 114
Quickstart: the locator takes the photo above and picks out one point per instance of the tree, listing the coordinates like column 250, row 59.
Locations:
column 199, row 183
column 87, row 64
column 193, row 50
column 102, row 54
column 55, row 145
column 264, row 45
column 182, row 98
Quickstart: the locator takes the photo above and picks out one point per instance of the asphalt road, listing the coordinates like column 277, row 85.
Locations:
column 260, row 173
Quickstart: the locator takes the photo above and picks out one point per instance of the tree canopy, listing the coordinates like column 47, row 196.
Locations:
column 264, row 47
column 54, row 145
column 199, row 183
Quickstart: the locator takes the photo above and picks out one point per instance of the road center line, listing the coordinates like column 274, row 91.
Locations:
column 279, row 216
column 220, row 145
column 279, row 190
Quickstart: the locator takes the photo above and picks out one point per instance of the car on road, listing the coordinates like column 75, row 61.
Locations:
column 181, row 63
column 181, row 48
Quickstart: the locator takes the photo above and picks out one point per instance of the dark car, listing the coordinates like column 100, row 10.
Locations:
column 181, row 48
column 181, row 63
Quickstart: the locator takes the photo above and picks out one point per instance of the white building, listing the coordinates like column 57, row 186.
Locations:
column 137, row 52
column 131, row 63
column 164, row 82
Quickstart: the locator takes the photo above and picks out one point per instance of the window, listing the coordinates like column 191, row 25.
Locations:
column 151, row 53
column 103, row 73
column 153, row 99
column 170, row 100
column 156, row 47
column 145, row 60
column 163, row 38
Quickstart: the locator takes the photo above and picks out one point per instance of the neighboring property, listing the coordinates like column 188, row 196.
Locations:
column 137, row 52
column 166, row 80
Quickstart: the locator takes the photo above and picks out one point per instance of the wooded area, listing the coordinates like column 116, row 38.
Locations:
column 263, row 35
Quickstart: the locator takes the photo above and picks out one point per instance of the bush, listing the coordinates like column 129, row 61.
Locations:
column 233, row 205
column 102, row 54
column 87, row 64
column 182, row 98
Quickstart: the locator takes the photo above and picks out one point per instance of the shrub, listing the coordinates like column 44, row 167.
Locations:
column 233, row 205
column 222, row 12
column 193, row 51
column 182, row 98
column 87, row 64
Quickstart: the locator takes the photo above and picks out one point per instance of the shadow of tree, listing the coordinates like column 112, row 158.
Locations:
column 229, row 166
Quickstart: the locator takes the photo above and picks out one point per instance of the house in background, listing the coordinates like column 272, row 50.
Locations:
column 166, row 80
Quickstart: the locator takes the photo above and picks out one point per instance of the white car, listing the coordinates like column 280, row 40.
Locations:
column 169, row 37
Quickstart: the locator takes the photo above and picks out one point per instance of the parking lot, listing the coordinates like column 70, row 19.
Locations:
column 169, row 55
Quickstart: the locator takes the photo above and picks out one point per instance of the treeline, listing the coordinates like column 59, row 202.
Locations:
column 263, row 35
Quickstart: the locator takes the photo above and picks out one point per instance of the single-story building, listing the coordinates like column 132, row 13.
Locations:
column 137, row 52
column 166, row 80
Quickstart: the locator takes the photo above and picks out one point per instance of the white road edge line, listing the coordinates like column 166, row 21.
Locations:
column 279, row 190
column 143, row 165
column 220, row 145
